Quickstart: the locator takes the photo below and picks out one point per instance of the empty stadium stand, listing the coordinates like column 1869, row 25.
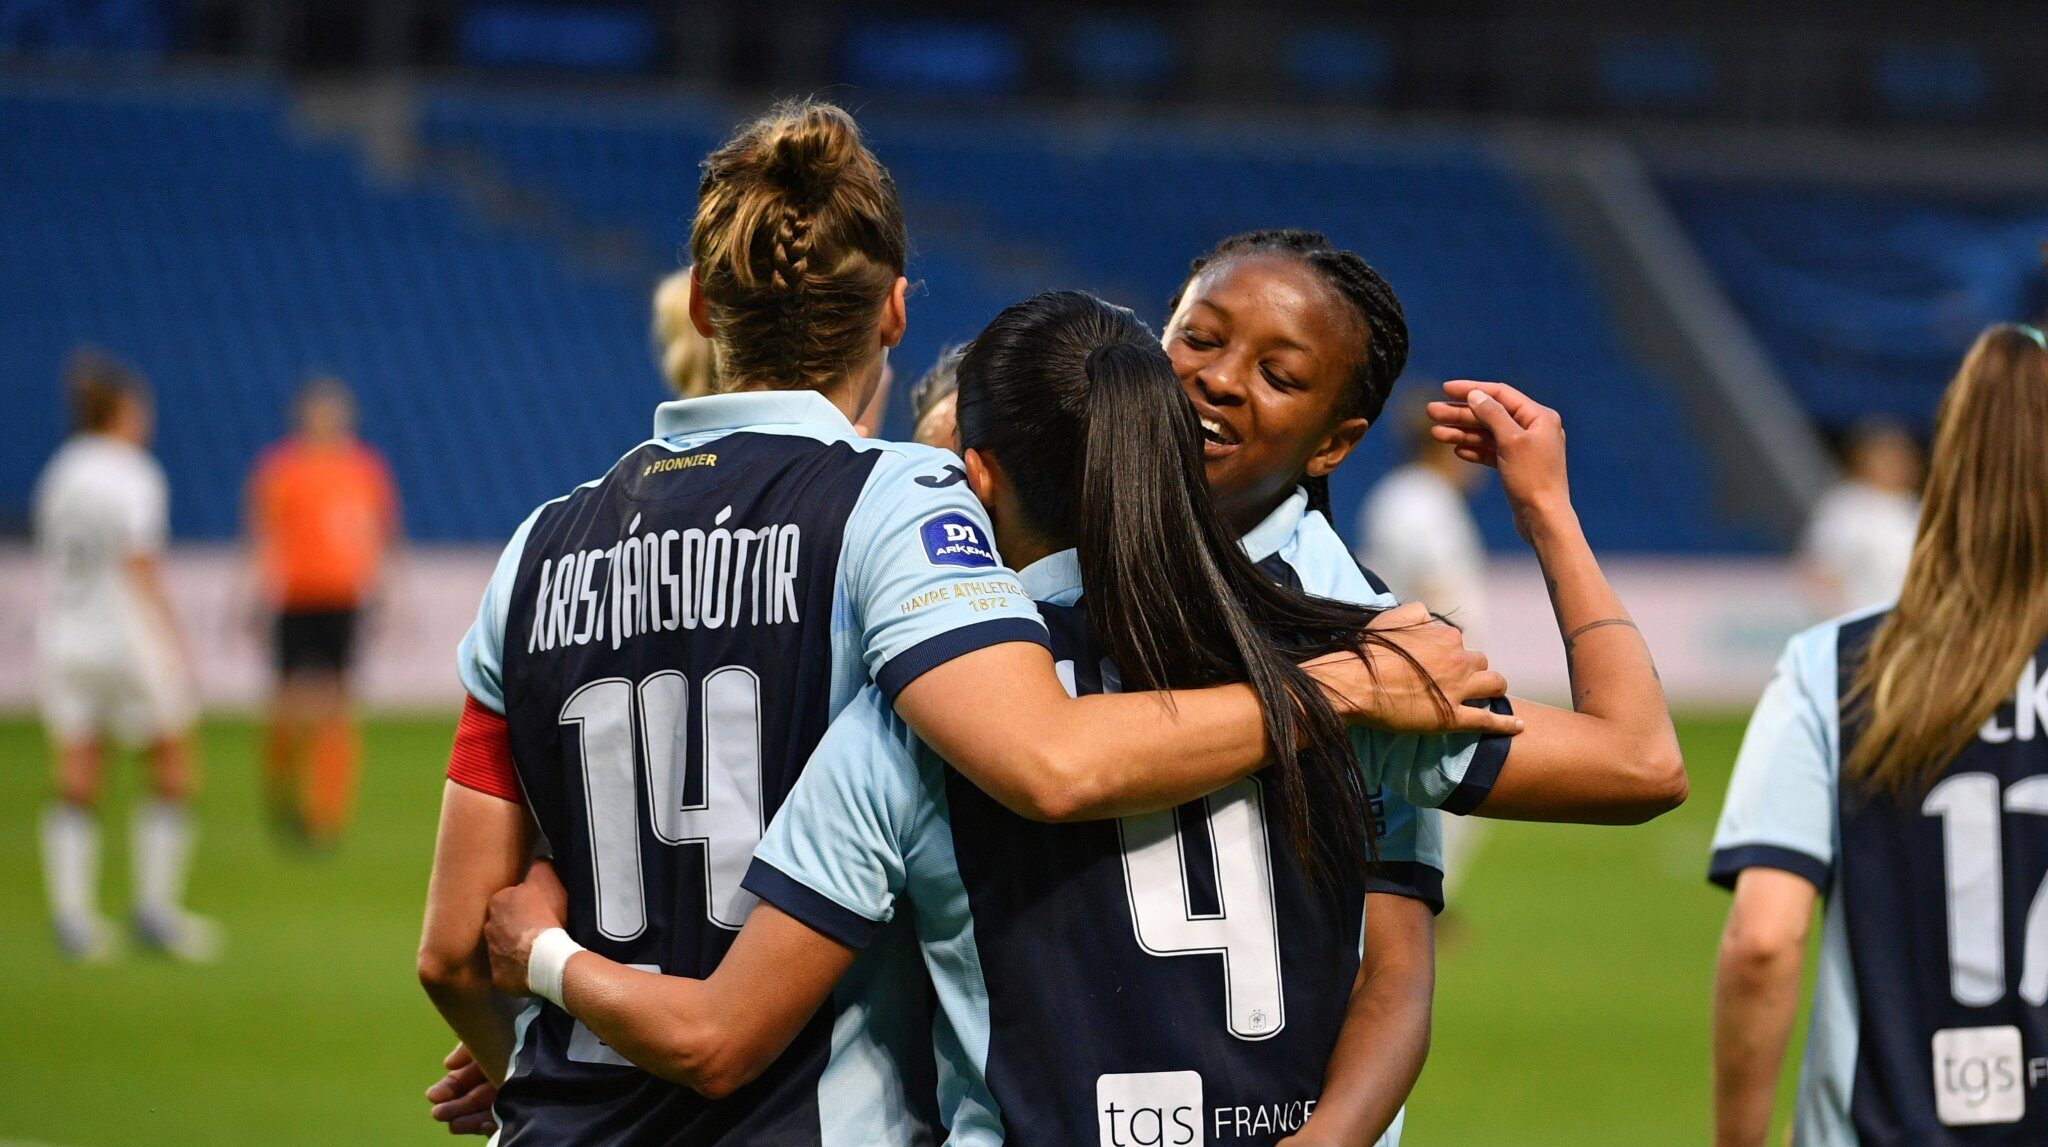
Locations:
column 1867, row 298
column 192, row 230
column 188, row 230
column 1000, row 207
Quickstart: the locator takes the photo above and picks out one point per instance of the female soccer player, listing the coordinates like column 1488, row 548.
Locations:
column 1893, row 769
column 1083, row 447
column 660, row 650
column 933, row 419
column 1289, row 349
column 114, row 668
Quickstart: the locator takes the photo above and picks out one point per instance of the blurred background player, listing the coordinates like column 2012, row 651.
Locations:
column 1416, row 532
column 322, row 516
column 689, row 361
column 1860, row 536
column 934, row 401
column 1893, row 769
column 114, row 667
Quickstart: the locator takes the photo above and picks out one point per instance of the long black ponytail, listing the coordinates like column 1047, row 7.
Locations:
column 1378, row 363
column 1076, row 400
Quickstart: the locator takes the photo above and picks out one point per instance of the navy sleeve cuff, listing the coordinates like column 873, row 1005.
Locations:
column 1408, row 878
column 1728, row 863
column 1488, row 757
column 815, row 911
column 933, row 652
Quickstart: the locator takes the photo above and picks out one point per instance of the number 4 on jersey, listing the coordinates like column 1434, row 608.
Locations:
column 1244, row 932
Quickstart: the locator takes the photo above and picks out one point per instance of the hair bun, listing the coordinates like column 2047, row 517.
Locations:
column 805, row 153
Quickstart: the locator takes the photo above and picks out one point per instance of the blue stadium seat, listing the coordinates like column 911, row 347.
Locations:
column 998, row 210
column 189, row 230
column 1867, row 299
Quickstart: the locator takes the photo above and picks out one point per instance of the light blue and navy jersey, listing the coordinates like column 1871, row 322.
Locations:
column 1165, row 978
column 1928, row 1020
column 1296, row 547
column 668, row 644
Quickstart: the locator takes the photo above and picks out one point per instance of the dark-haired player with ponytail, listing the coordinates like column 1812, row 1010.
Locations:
column 660, row 650
column 1185, row 973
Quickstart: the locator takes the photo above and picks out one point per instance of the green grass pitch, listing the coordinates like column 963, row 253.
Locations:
column 1572, row 992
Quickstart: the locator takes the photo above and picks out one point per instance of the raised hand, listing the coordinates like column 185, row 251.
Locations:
column 1493, row 424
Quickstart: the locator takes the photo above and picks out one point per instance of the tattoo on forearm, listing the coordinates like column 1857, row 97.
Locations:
column 1572, row 638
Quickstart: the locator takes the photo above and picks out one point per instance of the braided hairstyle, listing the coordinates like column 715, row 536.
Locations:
column 1080, row 405
column 1378, row 363
column 797, row 241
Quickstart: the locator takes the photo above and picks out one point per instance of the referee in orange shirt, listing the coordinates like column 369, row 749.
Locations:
column 322, row 516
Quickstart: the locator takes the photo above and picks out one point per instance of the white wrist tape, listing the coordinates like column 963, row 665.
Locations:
column 545, row 962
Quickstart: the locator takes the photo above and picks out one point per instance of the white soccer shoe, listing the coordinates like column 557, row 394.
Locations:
column 87, row 938
column 180, row 935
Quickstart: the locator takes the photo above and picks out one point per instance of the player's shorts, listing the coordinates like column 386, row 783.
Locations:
column 315, row 640
column 135, row 701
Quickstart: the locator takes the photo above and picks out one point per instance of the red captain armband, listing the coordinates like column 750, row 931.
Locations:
column 482, row 756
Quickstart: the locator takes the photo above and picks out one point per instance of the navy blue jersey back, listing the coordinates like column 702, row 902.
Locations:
column 1945, row 899
column 1162, row 979
column 667, row 672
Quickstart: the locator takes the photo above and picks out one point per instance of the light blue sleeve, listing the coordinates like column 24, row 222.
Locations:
column 834, row 855
column 1411, row 851
column 480, row 658
column 1780, row 811
column 1450, row 771
column 922, row 577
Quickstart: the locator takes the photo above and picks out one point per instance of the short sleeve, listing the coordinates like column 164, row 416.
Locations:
column 1780, row 810
column 480, row 659
column 1411, row 851
column 834, row 856
column 1451, row 771
column 147, row 512
column 1454, row 772
column 922, row 575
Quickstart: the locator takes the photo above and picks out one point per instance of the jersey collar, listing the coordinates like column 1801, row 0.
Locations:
column 1265, row 539
column 1054, row 578
column 739, row 410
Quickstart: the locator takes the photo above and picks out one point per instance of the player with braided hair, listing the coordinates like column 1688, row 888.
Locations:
column 660, row 650
column 1289, row 348
column 1378, row 334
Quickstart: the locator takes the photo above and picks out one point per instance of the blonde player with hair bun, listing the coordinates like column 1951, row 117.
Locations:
column 660, row 650
column 1896, row 769
column 689, row 363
